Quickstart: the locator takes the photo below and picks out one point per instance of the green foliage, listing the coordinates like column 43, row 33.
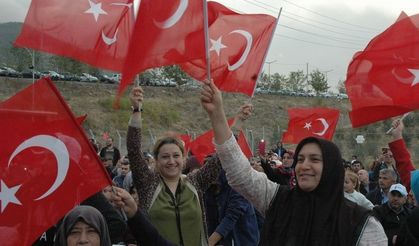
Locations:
column 296, row 81
column 318, row 81
column 175, row 73
column 277, row 80
column 20, row 58
column 341, row 87
column 156, row 111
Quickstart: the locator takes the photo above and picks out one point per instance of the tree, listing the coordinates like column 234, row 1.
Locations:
column 318, row 81
column 277, row 81
column 20, row 58
column 296, row 81
column 341, row 87
column 175, row 73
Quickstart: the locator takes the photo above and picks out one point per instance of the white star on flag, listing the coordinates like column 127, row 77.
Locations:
column 307, row 125
column 8, row 195
column 95, row 9
column 217, row 45
column 415, row 73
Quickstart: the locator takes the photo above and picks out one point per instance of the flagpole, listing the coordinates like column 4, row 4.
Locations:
column 206, row 32
column 401, row 119
column 267, row 50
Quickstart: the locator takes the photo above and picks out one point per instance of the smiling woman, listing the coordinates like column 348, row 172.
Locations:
column 172, row 201
column 315, row 211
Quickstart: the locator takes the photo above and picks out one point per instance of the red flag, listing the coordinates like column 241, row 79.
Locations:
column 262, row 147
column 165, row 33
column 238, row 46
column 383, row 80
column 187, row 140
column 81, row 119
column 47, row 164
column 93, row 32
column 203, row 146
column 310, row 122
column 242, row 141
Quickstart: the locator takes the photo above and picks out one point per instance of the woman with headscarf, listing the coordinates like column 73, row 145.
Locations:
column 315, row 211
column 82, row 225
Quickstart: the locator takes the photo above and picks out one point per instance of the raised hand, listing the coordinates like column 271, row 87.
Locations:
column 211, row 99
column 398, row 127
column 124, row 200
column 136, row 97
column 245, row 111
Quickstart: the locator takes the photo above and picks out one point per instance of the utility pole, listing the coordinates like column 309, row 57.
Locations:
column 307, row 72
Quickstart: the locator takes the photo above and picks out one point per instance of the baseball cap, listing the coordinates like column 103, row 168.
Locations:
column 400, row 188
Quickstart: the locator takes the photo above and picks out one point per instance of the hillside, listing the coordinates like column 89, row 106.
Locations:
column 178, row 109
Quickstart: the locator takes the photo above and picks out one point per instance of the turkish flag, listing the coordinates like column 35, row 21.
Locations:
column 81, row 119
column 94, row 32
column 383, row 80
column 310, row 122
column 238, row 46
column 203, row 145
column 47, row 165
column 262, row 147
column 165, row 33
column 242, row 141
column 187, row 141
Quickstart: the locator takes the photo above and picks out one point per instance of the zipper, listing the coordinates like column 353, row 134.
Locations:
column 176, row 201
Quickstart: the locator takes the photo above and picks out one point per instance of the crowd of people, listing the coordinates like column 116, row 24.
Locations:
column 303, row 196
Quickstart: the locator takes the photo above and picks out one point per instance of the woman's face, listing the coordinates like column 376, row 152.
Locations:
column 83, row 234
column 287, row 160
column 170, row 161
column 348, row 185
column 309, row 167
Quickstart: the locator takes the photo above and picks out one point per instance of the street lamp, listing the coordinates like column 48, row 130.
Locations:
column 327, row 71
column 269, row 69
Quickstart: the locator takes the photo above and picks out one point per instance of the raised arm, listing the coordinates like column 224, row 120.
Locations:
column 141, row 173
column 254, row 186
column 401, row 154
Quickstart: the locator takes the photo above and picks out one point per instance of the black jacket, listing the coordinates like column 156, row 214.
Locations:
column 375, row 196
column 390, row 220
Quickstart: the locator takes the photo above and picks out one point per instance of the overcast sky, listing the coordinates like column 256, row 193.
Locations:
column 323, row 33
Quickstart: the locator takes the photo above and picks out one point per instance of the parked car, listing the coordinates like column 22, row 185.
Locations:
column 85, row 77
column 53, row 75
column 28, row 74
column 106, row 79
column 3, row 72
column 70, row 77
column 116, row 78
column 10, row 72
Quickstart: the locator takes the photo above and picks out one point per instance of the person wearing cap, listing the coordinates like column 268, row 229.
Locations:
column 394, row 212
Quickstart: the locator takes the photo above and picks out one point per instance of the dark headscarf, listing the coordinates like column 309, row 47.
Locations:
column 320, row 217
column 88, row 215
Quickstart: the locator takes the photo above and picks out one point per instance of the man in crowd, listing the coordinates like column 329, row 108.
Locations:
column 125, row 170
column 393, row 213
column 356, row 166
column 365, row 185
column 110, row 151
column 387, row 177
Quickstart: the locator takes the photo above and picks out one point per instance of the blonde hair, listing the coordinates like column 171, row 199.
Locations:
column 353, row 177
column 169, row 139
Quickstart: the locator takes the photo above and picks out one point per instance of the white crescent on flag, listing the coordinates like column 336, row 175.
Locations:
column 172, row 20
column 325, row 125
column 243, row 58
column 109, row 41
column 60, row 151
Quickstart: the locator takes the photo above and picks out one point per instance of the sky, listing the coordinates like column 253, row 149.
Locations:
column 318, row 34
